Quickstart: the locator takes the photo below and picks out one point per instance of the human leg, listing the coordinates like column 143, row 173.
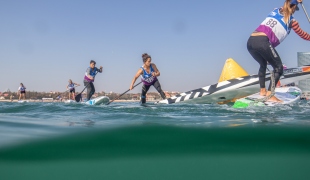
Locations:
column 73, row 93
column 145, row 89
column 276, row 63
column 90, row 89
column 158, row 88
column 255, row 48
column 261, row 50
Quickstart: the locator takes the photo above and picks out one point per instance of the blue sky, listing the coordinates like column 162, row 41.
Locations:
column 43, row 43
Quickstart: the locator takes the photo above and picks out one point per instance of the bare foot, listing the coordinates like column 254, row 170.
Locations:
column 263, row 92
column 274, row 99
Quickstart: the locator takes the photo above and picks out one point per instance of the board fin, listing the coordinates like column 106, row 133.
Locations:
column 232, row 70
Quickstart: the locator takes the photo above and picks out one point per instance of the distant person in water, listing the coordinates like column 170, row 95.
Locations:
column 71, row 87
column 59, row 98
column 149, row 73
column 22, row 91
column 89, row 78
column 269, row 34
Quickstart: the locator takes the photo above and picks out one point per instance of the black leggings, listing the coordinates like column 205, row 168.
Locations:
column 145, row 89
column 262, row 51
column 90, row 89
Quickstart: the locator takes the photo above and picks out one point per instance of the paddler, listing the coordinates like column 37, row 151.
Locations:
column 89, row 78
column 71, row 87
column 149, row 74
column 270, row 33
column 22, row 91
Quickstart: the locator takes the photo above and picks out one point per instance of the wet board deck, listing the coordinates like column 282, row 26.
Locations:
column 288, row 95
column 98, row 101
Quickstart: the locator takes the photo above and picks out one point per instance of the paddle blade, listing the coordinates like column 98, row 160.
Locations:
column 78, row 98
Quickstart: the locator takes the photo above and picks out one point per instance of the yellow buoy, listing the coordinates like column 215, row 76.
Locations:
column 232, row 70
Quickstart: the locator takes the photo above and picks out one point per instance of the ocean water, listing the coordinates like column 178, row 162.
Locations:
column 129, row 141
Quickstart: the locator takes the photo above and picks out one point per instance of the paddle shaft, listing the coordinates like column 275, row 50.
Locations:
column 303, row 7
column 123, row 93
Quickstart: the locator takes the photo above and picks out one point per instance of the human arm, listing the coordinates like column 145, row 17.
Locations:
column 135, row 78
column 301, row 33
column 76, row 84
column 100, row 69
column 156, row 71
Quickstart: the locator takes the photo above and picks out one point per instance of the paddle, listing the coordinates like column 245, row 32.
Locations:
column 79, row 96
column 123, row 94
column 127, row 91
column 303, row 7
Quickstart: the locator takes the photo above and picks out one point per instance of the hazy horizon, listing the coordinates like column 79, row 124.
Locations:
column 46, row 43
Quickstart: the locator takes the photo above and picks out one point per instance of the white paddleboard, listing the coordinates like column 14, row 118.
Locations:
column 70, row 101
column 22, row 101
column 234, row 88
column 98, row 101
column 288, row 95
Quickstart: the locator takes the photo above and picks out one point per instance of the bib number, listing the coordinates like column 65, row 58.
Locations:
column 271, row 23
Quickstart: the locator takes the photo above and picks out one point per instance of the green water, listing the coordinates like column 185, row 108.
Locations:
column 127, row 141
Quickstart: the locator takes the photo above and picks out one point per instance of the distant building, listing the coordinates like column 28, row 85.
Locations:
column 150, row 97
column 47, row 99
column 171, row 94
column 135, row 97
column 304, row 85
column 7, row 90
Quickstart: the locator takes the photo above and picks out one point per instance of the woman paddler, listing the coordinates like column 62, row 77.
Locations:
column 149, row 73
column 270, row 33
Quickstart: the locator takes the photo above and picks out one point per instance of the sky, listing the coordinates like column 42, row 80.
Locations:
column 44, row 43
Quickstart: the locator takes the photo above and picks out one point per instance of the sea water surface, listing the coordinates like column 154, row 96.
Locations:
column 130, row 141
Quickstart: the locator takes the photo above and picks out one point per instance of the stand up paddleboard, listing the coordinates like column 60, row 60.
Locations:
column 70, row 101
column 232, row 89
column 98, row 101
column 288, row 95
column 22, row 101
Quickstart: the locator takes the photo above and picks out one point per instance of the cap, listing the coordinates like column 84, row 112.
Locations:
column 295, row 2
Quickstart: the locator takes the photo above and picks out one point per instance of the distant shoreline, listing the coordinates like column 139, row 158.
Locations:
column 56, row 101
